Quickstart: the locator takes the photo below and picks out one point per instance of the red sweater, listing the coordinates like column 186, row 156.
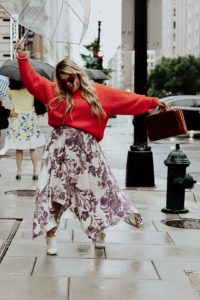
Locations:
column 114, row 101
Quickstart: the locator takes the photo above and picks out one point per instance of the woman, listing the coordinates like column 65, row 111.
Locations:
column 74, row 173
column 5, row 113
column 23, row 132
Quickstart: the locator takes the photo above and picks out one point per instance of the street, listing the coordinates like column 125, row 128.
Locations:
column 154, row 262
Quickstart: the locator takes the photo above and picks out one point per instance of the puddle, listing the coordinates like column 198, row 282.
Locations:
column 183, row 223
column 194, row 278
column 21, row 193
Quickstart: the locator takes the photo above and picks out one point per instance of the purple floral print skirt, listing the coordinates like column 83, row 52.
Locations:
column 75, row 174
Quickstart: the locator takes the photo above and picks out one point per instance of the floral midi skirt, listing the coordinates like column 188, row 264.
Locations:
column 23, row 132
column 75, row 174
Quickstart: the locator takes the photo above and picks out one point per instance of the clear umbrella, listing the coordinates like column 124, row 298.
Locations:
column 60, row 21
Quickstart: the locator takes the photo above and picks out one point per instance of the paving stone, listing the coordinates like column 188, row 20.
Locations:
column 33, row 288
column 175, row 270
column 194, row 278
column 190, row 237
column 5, row 227
column 55, row 266
column 19, row 266
column 131, row 237
column 152, row 252
column 118, row 289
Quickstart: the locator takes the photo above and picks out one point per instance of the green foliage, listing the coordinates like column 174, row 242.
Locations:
column 90, row 60
column 175, row 76
column 92, row 47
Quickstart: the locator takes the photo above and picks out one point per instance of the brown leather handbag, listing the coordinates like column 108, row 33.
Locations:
column 165, row 123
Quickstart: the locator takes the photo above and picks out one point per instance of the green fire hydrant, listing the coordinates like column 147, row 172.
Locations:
column 177, row 181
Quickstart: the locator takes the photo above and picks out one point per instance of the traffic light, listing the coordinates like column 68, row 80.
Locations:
column 99, row 58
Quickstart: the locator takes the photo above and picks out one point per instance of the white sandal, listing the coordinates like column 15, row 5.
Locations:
column 99, row 242
column 134, row 219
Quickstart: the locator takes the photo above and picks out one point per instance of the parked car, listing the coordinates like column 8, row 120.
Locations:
column 190, row 104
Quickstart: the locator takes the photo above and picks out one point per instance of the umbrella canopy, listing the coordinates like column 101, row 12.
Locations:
column 4, row 83
column 10, row 69
column 59, row 21
column 95, row 74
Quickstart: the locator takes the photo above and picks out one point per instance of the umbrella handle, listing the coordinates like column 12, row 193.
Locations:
column 24, row 36
column 21, row 41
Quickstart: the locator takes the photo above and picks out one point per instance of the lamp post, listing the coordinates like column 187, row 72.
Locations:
column 139, row 169
column 98, row 53
column 99, row 35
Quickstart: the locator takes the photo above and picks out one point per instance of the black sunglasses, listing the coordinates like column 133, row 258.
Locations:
column 69, row 80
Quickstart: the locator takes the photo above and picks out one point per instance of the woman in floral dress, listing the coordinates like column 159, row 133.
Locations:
column 74, row 174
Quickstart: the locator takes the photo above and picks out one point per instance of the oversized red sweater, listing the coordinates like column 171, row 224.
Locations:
column 114, row 101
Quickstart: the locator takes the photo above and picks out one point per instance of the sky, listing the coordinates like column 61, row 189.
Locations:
column 109, row 13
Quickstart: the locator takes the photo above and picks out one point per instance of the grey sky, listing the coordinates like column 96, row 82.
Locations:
column 109, row 12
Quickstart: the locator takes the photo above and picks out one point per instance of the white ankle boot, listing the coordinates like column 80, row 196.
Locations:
column 52, row 248
column 99, row 242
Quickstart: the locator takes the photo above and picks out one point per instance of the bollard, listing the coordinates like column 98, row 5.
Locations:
column 177, row 181
column 139, row 167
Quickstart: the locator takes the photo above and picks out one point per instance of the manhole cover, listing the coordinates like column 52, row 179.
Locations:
column 194, row 277
column 21, row 193
column 183, row 223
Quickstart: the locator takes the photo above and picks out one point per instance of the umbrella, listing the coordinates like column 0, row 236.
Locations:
column 10, row 69
column 95, row 74
column 59, row 21
column 4, row 83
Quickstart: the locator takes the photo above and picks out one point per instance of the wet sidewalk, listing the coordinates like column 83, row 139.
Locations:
column 151, row 263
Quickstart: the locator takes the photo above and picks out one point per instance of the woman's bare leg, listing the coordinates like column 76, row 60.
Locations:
column 52, row 248
column 19, row 158
column 57, row 208
column 34, row 159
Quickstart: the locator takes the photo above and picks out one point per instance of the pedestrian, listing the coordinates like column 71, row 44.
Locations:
column 4, row 83
column 23, row 132
column 74, row 173
column 5, row 113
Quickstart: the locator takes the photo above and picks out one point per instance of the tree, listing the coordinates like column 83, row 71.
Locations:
column 175, row 76
column 92, row 60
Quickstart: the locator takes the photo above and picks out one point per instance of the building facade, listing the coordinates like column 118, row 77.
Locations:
column 38, row 47
column 127, row 47
column 181, row 28
column 5, row 43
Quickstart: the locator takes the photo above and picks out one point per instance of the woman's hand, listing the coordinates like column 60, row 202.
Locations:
column 19, row 46
column 163, row 105
column 13, row 114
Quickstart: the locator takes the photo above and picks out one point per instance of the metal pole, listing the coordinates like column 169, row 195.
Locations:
column 140, row 79
column 139, row 169
column 99, row 35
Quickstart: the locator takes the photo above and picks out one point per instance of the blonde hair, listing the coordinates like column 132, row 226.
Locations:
column 88, row 92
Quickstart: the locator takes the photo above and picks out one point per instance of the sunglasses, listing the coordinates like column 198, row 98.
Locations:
column 69, row 80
